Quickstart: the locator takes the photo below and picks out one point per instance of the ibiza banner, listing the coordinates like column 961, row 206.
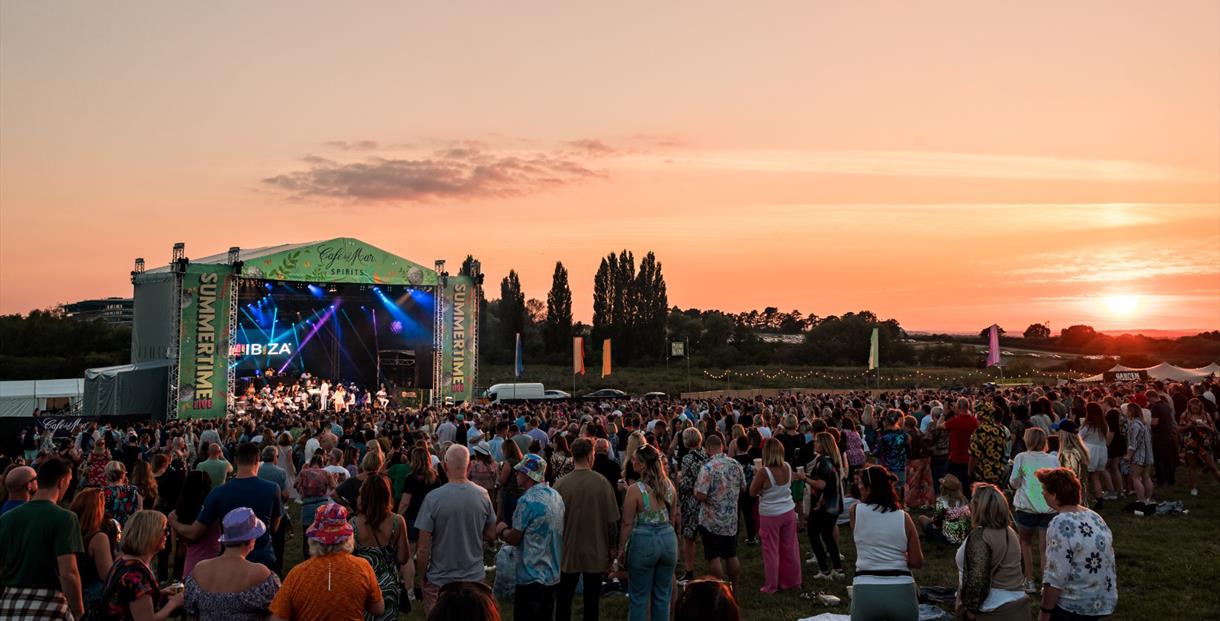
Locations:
column 458, row 328
column 203, row 341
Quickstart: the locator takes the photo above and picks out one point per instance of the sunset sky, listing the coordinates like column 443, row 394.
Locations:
column 948, row 164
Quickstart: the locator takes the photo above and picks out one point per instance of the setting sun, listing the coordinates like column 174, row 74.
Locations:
column 1122, row 304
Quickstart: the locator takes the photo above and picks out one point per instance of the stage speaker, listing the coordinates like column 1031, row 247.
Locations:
column 398, row 367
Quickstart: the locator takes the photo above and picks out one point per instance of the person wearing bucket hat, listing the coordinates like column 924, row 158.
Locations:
column 229, row 587
column 537, row 529
column 332, row 583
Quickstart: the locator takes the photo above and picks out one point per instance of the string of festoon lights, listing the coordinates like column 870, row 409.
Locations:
column 904, row 374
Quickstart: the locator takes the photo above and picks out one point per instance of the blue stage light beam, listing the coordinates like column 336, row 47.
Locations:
column 316, row 326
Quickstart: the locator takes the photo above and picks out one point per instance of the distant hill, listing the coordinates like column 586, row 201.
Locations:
column 1154, row 334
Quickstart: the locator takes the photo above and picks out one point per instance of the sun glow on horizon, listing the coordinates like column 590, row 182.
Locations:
column 1123, row 305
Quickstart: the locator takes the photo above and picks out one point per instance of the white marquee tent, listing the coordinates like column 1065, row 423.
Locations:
column 20, row 398
column 1163, row 371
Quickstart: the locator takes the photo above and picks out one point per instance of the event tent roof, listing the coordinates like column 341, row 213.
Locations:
column 20, row 398
column 1163, row 371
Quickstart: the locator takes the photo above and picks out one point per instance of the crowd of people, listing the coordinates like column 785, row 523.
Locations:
column 402, row 506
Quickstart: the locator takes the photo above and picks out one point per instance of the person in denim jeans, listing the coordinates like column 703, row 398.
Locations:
column 650, row 516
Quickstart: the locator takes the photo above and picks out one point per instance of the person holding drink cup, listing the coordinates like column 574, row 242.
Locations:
column 132, row 592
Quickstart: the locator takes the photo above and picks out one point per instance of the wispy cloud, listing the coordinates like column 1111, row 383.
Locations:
column 1122, row 265
column 354, row 145
column 917, row 164
column 466, row 170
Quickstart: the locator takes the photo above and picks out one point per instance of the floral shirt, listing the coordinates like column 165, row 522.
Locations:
column 121, row 502
column 892, row 450
column 989, row 447
column 1080, row 562
column 129, row 580
column 539, row 515
column 720, row 479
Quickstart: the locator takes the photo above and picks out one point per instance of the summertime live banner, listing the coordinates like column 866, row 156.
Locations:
column 457, row 351
column 203, row 341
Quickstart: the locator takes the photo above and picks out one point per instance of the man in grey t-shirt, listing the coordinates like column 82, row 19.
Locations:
column 453, row 523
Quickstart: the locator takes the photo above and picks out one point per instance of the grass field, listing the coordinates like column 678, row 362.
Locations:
column 1168, row 568
column 674, row 379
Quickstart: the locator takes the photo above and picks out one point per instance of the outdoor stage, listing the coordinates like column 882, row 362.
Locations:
column 338, row 309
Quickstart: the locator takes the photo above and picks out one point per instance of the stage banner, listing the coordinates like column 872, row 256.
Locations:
column 457, row 351
column 203, row 341
column 338, row 260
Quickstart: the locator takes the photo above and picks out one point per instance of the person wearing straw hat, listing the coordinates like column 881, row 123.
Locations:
column 332, row 585
column 229, row 587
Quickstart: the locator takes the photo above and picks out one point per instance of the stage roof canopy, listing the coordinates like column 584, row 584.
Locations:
column 342, row 259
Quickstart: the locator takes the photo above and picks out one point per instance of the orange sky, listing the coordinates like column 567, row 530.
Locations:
column 949, row 164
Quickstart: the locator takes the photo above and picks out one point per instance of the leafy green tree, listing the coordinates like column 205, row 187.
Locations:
column 557, row 330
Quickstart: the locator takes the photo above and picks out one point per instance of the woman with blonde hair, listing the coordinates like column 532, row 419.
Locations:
column 824, row 475
column 94, row 563
column 1074, row 455
column 634, row 442
column 688, row 473
column 989, row 561
column 777, row 519
column 736, row 431
column 1033, row 515
column 132, row 591
column 650, row 513
column 122, row 498
column 1139, row 453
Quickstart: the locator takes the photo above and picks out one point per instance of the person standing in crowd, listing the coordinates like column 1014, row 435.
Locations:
column 454, row 521
column 1081, row 580
column 988, row 448
column 313, row 488
column 245, row 490
column 893, row 446
column 960, row 426
column 122, row 499
column 217, row 467
column 95, row 561
column 717, row 489
column 507, row 478
column 269, row 471
column 747, row 504
column 989, row 561
column 590, row 513
column 194, row 492
column 229, row 587
column 1073, row 454
column 777, row 519
column 825, row 478
column 132, row 591
column 887, row 547
column 422, row 481
column 918, row 490
column 688, row 473
column 1096, row 435
column 1139, row 453
column 1033, row 515
column 1165, row 439
column 39, row 544
column 537, row 531
column 650, row 549
column 482, row 468
column 1198, row 438
column 332, row 585
column 20, row 482
column 95, row 464
column 381, row 539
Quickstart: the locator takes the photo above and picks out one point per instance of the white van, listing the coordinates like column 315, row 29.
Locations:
column 514, row 392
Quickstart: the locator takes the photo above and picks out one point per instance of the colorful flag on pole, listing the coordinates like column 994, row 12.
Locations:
column 578, row 355
column 993, row 346
column 606, row 358
column 874, row 355
column 518, row 364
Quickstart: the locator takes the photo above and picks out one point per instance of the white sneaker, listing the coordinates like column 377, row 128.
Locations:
column 822, row 575
column 838, row 574
column 1194, row 491
column 813, row 560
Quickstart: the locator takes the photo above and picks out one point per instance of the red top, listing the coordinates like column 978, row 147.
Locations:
column 960, row 427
